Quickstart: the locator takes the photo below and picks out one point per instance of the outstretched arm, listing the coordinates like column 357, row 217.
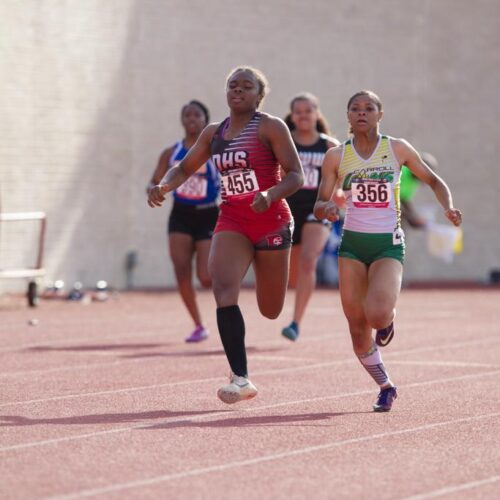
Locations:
column 161, row 169
column 407, row 155
column 195, row 157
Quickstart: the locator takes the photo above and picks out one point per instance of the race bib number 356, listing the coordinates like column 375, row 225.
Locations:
column 239, row 182
column 371, row 194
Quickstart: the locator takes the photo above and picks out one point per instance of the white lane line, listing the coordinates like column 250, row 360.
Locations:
column 265, row 458
column 74, row 341
column 212, row 379
column 144, row 354
column 73, row 366
column 264, row 357
column 173, row 384
column 454, row 488
column 163, row 333
column 22, row 446
column 84, row 366
column 435, row 348
column 457, row 364
column 279, row 342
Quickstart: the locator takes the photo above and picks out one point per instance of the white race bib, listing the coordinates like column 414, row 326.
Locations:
column 239, row 182
column 371, row 194
column 194, row 188
column 311, row 178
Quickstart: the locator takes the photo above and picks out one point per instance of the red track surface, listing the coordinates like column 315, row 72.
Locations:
column 107, row 400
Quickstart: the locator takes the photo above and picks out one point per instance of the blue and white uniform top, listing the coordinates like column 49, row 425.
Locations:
column 202, row 187
column 372, row 188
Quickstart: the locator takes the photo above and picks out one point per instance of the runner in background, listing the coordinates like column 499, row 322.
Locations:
column 193, row 216
column 312, row 138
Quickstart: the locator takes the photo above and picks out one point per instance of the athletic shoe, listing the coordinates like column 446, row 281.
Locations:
column 238, row 389
column 385, row 399
column 291, row 332
column 384, row 336
column 199, row 334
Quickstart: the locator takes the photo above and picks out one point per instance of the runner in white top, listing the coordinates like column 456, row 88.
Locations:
column 372, row 250
column 372, row 188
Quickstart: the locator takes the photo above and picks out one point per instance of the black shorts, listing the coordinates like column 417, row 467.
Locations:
column 196, row 220
column 304, row 215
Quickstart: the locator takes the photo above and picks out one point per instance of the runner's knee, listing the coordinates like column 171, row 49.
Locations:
column 379, row 317
column 308, row 263
column 269, row 312
column 226, row 294
column 204, row 279
column 269, row 309
column 182, row 273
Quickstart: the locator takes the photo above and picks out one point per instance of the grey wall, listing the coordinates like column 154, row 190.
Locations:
column 91, row 92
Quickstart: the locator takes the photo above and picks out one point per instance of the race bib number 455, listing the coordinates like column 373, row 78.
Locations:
column 371, row 194
column 239, row 182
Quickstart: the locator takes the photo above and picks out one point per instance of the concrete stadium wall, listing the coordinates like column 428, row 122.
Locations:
column 91, row 92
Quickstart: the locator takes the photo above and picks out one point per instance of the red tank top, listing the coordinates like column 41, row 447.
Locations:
column 247, row 166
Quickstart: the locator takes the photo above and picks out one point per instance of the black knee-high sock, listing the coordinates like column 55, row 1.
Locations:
column 232, row 333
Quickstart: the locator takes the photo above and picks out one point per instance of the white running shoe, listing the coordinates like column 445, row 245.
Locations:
column 238, row 389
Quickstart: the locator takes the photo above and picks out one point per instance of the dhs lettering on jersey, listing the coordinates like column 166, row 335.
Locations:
column 231, row 159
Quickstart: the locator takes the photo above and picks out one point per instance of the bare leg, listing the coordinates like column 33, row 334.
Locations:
column 230, row 256
column 353, row 285
column 202, row 252
column 314, row 238
column 294, row 265
column 271, row 275
column 384, row 278
column 181, row 252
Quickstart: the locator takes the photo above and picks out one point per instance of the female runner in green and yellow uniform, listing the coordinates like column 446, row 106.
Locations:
column 371, row 253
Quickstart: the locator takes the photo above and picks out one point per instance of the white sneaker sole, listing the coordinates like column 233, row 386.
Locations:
column 231, row 397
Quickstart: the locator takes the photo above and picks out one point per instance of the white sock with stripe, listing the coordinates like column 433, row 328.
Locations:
column 373, row 364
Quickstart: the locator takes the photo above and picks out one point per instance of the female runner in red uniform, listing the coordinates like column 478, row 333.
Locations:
column 255, row 222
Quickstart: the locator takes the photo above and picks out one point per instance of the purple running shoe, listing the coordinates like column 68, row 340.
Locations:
column 385, row 399
column 199, row 334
